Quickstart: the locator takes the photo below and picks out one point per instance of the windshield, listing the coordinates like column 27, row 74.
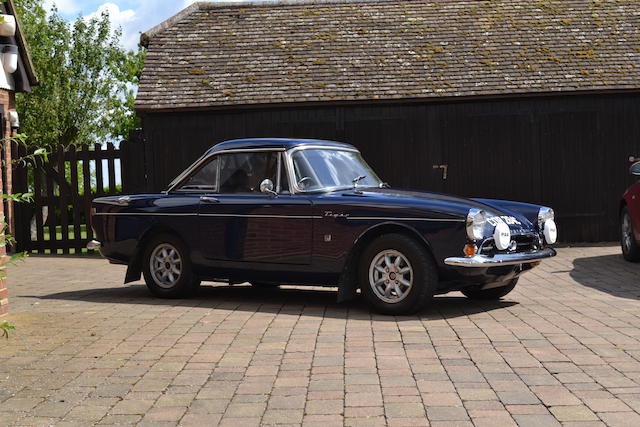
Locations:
column 319, row 169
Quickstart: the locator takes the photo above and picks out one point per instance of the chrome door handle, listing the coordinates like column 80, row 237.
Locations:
column 209, row 199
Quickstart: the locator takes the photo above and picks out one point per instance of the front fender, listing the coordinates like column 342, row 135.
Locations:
column 348, row 282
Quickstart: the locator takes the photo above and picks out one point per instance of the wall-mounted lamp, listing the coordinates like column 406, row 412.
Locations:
column 10, row 58
column 14, row 119
column 7, row 25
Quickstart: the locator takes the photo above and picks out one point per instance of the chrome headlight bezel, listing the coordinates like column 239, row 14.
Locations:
column 475, row 224
column 545, row 214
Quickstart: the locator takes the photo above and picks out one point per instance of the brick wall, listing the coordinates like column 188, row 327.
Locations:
column 7, row 100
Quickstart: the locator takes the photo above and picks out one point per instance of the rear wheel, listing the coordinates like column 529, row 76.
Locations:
column 489, row 294
column 630, row 249
column 397, row 275
column 167, row 268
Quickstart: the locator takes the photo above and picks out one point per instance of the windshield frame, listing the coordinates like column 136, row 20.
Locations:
column 291, row 170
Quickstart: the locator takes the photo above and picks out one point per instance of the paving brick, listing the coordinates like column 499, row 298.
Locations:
column 536, row 421
column 446, row 413
column 324, row 407
column 92, row 351
column 404, row 410
column 573, row 413
column 620, row 419
column 131, row 407
column 555, row 395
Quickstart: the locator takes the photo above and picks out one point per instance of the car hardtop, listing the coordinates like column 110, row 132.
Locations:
column 275, row 143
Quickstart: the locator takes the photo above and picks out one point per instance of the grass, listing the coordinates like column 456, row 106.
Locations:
column 70, row 234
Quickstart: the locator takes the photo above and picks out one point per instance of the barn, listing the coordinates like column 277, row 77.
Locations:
column 530, row 101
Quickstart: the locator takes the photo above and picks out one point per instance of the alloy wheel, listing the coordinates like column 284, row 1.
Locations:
column 627, row 232
column 391, row 276
column 165, row 265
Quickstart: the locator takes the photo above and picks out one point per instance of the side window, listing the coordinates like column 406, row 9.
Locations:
column 205, row 178
column 243, row 172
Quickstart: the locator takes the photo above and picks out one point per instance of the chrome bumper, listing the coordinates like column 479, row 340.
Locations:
column 93, row 245
column 501, row 259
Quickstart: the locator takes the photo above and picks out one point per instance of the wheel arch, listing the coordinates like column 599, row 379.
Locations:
column 348, row 282
column 134, row 270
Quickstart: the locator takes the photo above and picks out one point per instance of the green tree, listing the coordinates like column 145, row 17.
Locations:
column 87, row 79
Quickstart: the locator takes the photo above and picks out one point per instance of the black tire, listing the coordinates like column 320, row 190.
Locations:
column 490, row 294
column 185, row 284
column 423, row 273
column 630, row 249
column 264, row 285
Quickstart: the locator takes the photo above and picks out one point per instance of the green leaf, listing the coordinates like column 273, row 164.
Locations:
column 5, row 327
column 87, row 80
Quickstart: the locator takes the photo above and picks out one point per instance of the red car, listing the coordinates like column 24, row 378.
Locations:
column 630, row 219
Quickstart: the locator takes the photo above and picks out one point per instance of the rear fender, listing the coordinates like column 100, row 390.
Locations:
column 134, row 270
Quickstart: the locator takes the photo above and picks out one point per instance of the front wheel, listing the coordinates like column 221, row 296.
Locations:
column 397, row 275
column 630, row 249
column 490, row 294
column 167, row 268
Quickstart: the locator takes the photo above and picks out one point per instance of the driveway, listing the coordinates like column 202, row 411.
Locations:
column 564, row 347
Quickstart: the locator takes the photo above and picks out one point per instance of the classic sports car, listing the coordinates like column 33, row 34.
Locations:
column 630, row 219
column 280, row 211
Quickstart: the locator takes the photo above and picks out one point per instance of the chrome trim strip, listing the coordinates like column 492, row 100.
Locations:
column 265, row 216
column 142, row 213
column 322, row 147
column 251, row 150
column 213, row 215
column 501, row 259
column 383, row 218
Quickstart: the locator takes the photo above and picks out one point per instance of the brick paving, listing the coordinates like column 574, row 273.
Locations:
column 562, row 349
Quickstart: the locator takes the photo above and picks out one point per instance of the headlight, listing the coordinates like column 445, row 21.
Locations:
column 545, row 214
column 547, row 224
column 476, row 220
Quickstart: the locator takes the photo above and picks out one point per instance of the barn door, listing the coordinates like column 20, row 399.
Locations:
column 396, row 142
column 492, row 155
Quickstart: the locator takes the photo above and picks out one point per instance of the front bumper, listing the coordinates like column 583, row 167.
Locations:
column 93, row 245
column 501, row 259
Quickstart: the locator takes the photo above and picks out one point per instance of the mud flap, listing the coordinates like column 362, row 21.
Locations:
column 348, row 284
column 134, row 271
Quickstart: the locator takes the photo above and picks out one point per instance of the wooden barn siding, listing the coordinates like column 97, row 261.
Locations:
column 567, row 152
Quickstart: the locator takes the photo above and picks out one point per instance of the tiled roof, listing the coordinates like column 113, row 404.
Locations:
column 247, row 53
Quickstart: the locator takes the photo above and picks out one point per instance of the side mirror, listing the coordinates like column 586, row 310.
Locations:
column 266, row 186
column 635, row 169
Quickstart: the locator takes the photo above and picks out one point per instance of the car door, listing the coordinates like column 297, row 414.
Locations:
column 239, row 223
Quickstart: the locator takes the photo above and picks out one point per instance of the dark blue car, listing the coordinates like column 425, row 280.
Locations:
column 308, row 212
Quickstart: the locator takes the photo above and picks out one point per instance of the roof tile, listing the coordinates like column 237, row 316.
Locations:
column 217, row 54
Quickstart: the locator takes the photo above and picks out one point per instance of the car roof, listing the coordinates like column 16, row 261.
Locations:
column 283, row 143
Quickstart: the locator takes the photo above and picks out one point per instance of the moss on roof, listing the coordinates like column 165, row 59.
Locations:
column 275, row 52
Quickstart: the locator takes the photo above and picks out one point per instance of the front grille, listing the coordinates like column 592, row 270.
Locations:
column 524, row 242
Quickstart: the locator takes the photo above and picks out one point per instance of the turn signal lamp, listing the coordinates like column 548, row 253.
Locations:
column 470, row 250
